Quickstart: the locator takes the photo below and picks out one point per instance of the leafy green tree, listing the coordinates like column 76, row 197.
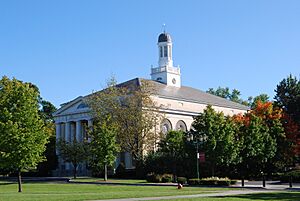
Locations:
column 264, row 139
column 263, row 98
column 73, row 152
column 46, row 110
column 234, row 95
column 22, row 131
column 258, row 146
column 288, row 97
column 221, row 145
column 103, row 147
column 172, row 146
column 132, row 110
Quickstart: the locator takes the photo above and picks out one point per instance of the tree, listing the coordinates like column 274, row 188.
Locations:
column 288, row 99
column 262, row 98
column 263, row 139
column 22, row 131
column 131, row 108
column 225, row 93
column 103, row 147
column 73, row 152
column 172, row 146
column 221, row 145
column 292, row 132
column 46, row 110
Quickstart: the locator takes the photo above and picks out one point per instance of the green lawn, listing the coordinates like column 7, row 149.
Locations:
column 282, row 196
column 65, row 191
column 93, row 179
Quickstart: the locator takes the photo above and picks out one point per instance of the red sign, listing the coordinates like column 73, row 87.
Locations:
column 202, row 157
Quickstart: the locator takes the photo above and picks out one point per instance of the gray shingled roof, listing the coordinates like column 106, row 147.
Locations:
column 187, row 94
column 184, row 94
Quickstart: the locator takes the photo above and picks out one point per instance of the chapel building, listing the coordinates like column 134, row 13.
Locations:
column 180, row 104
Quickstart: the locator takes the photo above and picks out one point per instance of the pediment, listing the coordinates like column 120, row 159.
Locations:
column 75, row 106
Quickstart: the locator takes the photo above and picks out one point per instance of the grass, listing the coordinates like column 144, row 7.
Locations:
column 66, row 191
column 123, row 181
column 282, row 196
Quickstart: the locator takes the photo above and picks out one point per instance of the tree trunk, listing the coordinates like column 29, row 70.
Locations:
column 243, row 181
column 105, row 172
column 174, row 171
column 75, row 171
column 264, row 180
column 19, row 181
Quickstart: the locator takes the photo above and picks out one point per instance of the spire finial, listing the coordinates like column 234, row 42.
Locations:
column 164, row 27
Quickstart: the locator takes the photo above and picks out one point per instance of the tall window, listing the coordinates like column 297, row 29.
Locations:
column 166, row 126
column 160, row 51
column 165, row 51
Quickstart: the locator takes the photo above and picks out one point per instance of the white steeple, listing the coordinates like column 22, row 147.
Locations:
column 165, row 72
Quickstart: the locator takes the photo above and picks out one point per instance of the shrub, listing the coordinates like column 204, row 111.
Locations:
column 295, row 176
column 223, row 182
column 120, row 171
column 167, row 178
column 232, row 182
column 212, row 181
column 194, row 182
column 181, row 180
column 155, row 178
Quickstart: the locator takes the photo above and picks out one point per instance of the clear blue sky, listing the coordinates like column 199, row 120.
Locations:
column 69, row 48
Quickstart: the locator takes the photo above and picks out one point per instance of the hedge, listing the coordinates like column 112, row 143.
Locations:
column 181, row 180
column 212, row 181
column 155, row 178
column 165, row 178
column 295, row 176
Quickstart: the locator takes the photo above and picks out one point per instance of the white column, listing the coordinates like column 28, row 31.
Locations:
column 67, row 139
column 58, row 134
column 67, row 131
column 90, row 127
column 72, row 131
column 90, row 123
column 78, row 131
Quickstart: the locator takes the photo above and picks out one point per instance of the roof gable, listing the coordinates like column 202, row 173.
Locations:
column 75, row 106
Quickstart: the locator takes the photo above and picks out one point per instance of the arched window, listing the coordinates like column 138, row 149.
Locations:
column 82, row 105
column 159, row 79
column 166, row 126
column 181, row 126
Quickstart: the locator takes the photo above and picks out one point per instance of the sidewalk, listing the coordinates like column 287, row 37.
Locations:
column 270, row 185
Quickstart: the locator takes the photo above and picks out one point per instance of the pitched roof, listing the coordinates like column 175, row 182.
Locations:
column 185, row 93
column 182, row 93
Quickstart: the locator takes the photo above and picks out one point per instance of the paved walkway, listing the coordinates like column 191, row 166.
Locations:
column 218, row 194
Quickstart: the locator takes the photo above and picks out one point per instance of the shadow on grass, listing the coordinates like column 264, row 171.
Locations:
column 6, row 183
column 289, row 196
